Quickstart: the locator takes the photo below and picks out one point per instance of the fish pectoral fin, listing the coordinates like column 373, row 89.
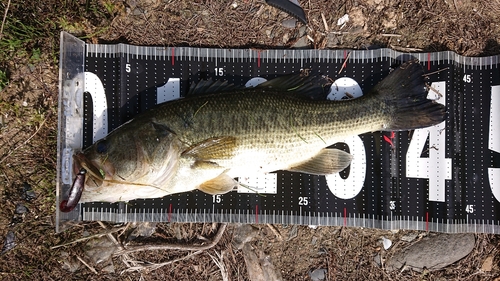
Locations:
column 219, row 185
column 212, row 148
column 327, row 161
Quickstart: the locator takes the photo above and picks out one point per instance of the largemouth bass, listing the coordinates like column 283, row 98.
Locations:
column 205, row 141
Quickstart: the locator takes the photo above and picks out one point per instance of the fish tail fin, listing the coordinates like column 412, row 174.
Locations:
column 405, row 93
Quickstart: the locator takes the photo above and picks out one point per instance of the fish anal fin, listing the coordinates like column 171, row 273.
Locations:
column 212, row 148
column 327, row 161
column 220, row 185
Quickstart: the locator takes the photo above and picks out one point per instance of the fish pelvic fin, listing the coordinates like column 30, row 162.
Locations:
column 220, row 185
column 404, row 93
column 327, row 161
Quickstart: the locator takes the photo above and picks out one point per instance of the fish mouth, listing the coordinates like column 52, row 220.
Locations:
column 96, row 175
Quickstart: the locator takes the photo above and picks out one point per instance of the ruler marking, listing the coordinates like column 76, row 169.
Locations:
column 258, row 58
column 172, row 56
column 170, row 212
column 256, row 213
column 345, row 216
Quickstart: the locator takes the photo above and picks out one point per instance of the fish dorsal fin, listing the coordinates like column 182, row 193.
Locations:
column 219, row 185
column 212, row 148
column 207, row 87
column 300, row 85
column 327, row 161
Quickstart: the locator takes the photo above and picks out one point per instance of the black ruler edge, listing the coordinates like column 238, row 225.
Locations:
column 305, row 57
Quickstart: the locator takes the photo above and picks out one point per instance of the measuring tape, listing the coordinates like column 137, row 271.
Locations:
column 444, row 178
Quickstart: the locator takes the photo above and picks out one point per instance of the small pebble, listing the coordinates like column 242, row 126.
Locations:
column 9, row 243
column 293, row 232
column 69, row 263
column 145, row 229
column 314, row 240
column 344, row 19
column 243, row 234
column 289, row 23
column 409, row 237
column 100, row 249
column 20, row 209
column 387, row 243
column 318, row 274
column 433, row 252
column 109, row 268
column 28, row 193
column 303, row 42
column 377, row 259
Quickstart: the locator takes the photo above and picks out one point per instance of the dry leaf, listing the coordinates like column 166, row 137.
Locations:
column 487, row 264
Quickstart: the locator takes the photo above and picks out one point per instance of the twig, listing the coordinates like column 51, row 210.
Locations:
column 345, row 63
column 390, row 35
column 4, row 18
column 324, row 22
column 88, row 238
column 158, row 265
column 397, row 48
column 87, row 265
column 437, row 71
column 435, row 91
column 214, row 242
column 125, row 258
column 275, row 231
column 220, row 264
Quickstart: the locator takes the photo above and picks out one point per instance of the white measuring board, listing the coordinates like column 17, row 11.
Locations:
column 443, row 178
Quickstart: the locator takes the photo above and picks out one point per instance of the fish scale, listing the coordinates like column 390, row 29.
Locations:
column 441, row 178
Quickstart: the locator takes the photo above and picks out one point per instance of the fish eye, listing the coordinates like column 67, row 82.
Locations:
column 101, row 147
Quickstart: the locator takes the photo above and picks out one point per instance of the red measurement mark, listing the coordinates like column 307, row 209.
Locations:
column 428, row 61
column 345, row 216
column 346, row 58
column 389, row 139
column 426, row 221
column 173, row 56
column 256, row 213
column 169, row 212
column 258, row 58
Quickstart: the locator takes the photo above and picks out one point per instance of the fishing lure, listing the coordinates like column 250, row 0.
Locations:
column 74, row 193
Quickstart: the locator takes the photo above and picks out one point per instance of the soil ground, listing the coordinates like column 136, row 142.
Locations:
column 28, row 129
